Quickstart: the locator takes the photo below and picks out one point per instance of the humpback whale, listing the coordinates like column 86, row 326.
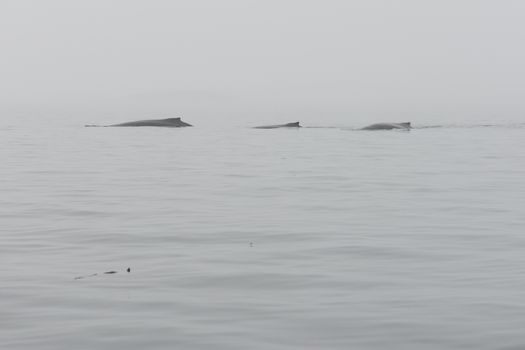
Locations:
column 388, row 126
column 289, row 125
column 168, row 123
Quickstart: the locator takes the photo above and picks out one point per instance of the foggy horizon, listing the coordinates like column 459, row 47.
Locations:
column 246, row 62
column 353, row 178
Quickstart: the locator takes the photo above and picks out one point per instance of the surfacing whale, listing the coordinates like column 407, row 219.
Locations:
column 388, row 126
column 168, row 123
column 289, row 125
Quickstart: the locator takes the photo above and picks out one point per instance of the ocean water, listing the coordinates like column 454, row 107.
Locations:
column 237, row 238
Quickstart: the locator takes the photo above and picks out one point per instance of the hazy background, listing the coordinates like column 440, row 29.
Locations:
column 321, row 62
column 241, row 238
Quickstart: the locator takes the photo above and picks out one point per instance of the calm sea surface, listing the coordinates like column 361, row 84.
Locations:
column 240, row 238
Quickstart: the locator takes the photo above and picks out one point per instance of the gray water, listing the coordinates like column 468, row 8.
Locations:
column 262, row 239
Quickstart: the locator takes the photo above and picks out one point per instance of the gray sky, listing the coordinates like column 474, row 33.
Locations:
column 321, row 62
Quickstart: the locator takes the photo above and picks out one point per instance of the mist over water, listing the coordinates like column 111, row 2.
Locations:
column 323, row 237
column 238, row 62
column 243, row 238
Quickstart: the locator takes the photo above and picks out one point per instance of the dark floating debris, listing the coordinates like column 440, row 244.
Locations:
column 111, row 272
column 81, row 277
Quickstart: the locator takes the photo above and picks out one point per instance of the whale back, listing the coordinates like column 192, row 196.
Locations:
column 288, row 125
column 388, row 126
column 169, row 122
